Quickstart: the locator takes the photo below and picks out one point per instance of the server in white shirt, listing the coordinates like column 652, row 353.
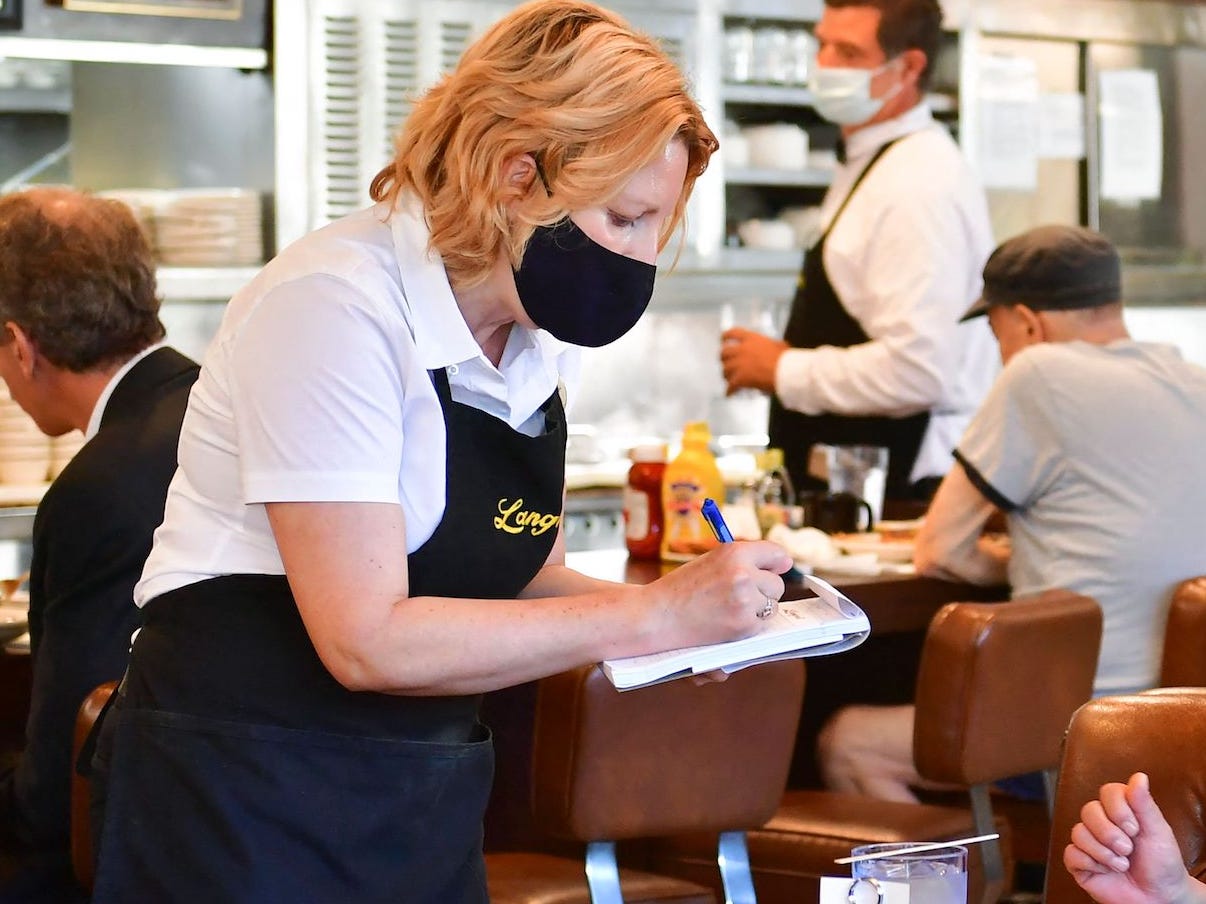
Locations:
column 874, row 352
column 364, row 533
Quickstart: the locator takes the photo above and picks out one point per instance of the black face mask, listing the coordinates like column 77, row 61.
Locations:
column 579, row 291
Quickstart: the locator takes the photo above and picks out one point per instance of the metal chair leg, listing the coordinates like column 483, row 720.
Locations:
column 603, row 873
column 990, row 851
column 734, row 859
column 1050, row 777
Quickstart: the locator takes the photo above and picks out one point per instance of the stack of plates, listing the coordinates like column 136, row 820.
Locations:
column 62, row 450
column 24, row 449
column 198, row 227
column 210, row 228
column 143, row 202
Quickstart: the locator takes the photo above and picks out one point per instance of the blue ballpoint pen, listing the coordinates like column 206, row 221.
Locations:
column 711, row 513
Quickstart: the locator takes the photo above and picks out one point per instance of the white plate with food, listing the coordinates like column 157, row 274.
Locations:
column 885, row 550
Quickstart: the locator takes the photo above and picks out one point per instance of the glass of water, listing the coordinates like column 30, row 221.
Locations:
column 935, row 877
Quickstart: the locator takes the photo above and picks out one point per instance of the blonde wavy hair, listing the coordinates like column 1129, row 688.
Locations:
column 573, row 84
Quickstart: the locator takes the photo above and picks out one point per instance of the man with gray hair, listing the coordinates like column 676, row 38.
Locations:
column 1089, row 443
column 81, row 348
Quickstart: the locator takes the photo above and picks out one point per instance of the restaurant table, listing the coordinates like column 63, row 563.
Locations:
column 880, row 671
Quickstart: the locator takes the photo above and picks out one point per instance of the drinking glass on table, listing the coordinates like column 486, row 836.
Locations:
column 861, row 471
column 935, row 877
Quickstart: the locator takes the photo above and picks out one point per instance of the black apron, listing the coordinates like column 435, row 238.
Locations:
column 819, row 318
column 239, row 770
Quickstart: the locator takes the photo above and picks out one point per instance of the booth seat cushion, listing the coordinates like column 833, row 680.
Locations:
column 522, row 878
column 811, row 829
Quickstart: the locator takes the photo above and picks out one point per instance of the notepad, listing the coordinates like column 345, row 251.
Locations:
column 820, row 626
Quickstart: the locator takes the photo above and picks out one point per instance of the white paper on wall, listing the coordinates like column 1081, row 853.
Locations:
column 1008, row 102
column 1132, row 135
column 1061, row 129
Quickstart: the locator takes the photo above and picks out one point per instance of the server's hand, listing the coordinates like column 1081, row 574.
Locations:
column 748, row 359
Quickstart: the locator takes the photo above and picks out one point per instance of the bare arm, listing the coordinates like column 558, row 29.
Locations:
column 950, row 543
column 346, row 564
column 1123, row 851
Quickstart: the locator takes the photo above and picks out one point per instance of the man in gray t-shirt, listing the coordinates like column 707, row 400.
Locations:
column 1091, row 445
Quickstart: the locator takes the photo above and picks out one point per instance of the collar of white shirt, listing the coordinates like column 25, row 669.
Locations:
column 98, row 410
column 441, row 335
column 865, row 142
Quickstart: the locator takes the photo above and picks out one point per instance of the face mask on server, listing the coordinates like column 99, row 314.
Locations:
column 579, row 291
column 843, row 95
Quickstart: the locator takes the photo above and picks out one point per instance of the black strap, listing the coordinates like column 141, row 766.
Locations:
column 857, row 182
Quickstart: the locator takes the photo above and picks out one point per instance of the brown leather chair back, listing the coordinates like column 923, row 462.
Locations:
column 1184, row 663
column 998, row 683
column 673, row 757
column 1160, row 732
column 81, row 787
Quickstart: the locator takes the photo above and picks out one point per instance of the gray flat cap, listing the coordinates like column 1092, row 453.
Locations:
column 1052, row 268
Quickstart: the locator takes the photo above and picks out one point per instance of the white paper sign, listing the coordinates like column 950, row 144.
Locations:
column 1008, row 104
column 1132, row 135
column 1061, row 133
column 837, row 890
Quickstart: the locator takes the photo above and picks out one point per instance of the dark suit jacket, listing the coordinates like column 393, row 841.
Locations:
column 91, row 535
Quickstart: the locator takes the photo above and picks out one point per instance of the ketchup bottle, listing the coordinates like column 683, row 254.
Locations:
column 643, row 522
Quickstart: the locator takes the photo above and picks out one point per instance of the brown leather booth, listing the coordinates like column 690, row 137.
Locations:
column 997, row 685
column 82, row 858
column 1184, row 662
column 673, row 757
column 1161, row 732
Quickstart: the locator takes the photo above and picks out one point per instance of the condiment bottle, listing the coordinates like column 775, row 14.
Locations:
column 643, row 501
column 690, row 478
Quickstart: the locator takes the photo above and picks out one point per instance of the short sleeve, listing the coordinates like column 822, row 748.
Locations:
column 317, row 389
column 1010, row 450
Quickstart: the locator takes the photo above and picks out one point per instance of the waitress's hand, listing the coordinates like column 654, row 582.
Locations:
column 717, row 597
column 749, row 359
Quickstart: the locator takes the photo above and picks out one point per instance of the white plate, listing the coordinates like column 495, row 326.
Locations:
column 19, row 644
column 884, row 550
column 14, row 621
column 861, row 565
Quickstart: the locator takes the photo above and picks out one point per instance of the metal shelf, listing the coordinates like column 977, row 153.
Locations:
column 808, row 178
column 202, row 283
column 129, row 52
column 16, row 522
column 29, row 100
column 771, row 95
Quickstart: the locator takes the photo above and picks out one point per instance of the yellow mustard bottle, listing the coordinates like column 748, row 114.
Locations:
column 690, row 478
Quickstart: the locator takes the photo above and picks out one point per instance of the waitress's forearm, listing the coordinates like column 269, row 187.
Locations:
column 438, row 646
column 431, row 645
column 559, row 580
column 348, row 570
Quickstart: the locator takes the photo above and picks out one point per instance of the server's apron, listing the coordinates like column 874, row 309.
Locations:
column 819, row 318
column 239, row 770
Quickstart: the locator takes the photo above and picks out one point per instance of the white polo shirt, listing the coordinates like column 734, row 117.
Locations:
column 316, row 389
column 905, row 258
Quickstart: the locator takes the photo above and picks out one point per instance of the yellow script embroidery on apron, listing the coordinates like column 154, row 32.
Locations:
column 514, row 520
